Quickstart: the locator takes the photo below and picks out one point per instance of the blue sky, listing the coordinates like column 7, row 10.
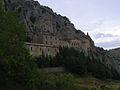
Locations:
column 100, row 18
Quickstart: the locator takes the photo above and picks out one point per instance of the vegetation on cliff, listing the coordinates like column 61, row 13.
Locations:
column 115, row 54
column 76, row 62
column 18, row 70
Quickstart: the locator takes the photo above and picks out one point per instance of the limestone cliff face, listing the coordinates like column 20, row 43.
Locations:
column 115, row 54
column 41, row 20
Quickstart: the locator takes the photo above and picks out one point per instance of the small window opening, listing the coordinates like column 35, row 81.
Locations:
column 31, row 48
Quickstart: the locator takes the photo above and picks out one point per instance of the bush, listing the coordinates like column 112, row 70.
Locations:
column 57, row 82
column 76, row 62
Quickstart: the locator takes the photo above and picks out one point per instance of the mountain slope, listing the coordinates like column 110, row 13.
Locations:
column 41, row 20
column 115, row 54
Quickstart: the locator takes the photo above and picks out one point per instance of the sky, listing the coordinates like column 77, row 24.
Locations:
column 100, row 18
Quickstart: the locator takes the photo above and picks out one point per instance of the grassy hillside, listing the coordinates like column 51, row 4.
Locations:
column 91, row 82
column 84, row 83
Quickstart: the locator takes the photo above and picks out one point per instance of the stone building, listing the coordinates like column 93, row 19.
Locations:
column 85, row 45
column 75, row 43
column 80, row 44
column 50, row 45
column 40, row 49
column 63, row 43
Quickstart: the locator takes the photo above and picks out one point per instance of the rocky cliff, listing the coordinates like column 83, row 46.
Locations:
column 115, row 54
column 40, row 20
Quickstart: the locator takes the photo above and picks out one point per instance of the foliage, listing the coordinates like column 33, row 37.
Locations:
column 73, row 60
column 114, row 53
column 60, row 81
column 17, row 67
column 18, row 70
column 76, row 62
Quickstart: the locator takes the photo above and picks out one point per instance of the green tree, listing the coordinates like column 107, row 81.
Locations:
column 17, row 67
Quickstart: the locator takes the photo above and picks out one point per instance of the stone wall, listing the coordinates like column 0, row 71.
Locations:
column 85, row 46
column 51, row 70
column 40, row 49
column 63, row 43
column 80, row 44
column 50, row 40
column 75, row 43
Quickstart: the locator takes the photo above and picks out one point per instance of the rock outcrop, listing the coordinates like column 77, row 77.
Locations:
column 40, row 20
column 115, row 54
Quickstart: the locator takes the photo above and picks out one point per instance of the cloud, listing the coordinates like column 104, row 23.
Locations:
column 104, row 38
column 108, row 27
column 102, row 35
column 109, row 45
column 107, row 41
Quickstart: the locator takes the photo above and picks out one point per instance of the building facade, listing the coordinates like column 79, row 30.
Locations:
column 41, row 49
column 50, row 45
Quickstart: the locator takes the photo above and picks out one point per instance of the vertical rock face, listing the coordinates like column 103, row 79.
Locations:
column 40, row 20
column 115, row 54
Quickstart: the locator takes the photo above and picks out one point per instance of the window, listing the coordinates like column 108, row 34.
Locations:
column 40, row 49
column 48, row 50
column 46, row 42
column 31, row 48
column 50, row 37
column 55, row 50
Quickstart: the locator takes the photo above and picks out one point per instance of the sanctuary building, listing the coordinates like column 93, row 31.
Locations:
column 50, row 45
